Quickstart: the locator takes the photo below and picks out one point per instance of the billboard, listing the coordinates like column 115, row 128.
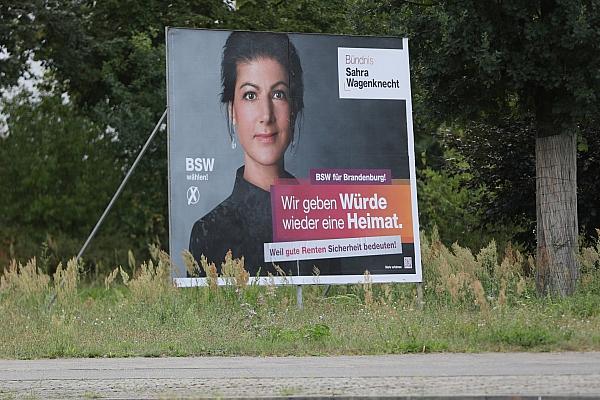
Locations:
column 294, row 151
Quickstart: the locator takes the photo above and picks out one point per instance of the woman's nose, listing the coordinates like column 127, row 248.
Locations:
column 266, row 111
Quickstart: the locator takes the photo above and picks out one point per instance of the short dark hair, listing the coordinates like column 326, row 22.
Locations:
column 243, row 47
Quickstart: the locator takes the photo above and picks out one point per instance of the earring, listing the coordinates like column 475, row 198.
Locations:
column 294, row 139
column 233, row 135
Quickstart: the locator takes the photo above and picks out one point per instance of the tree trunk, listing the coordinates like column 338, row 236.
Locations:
column 556, row 204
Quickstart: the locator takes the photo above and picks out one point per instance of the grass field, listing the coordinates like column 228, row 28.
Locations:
column 472, row 303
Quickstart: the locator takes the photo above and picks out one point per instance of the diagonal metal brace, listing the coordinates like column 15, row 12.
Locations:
column 120, row 189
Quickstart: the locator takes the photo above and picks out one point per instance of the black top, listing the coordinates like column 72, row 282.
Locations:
column 242, row 223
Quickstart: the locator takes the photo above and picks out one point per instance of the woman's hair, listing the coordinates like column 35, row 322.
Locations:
column 243, row 47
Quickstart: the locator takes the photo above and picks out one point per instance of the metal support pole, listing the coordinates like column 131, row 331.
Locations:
column 299, row 296
column 298, row 288
column 120, row 189
column 420, row 301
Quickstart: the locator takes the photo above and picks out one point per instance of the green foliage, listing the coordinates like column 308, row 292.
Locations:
column 55, row 162
column 500, row 157
column 490, row 59
column 521, row 336
column 57, row 173
column 414, row 345
column 315, row 332
column 535, row 332
column 446, row 202
column 502, row 72
column 585, row 305
column 18, row 35
column 312, row 16
column 589, row 261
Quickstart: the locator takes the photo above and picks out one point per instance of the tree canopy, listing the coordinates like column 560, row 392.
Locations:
column 486, row 62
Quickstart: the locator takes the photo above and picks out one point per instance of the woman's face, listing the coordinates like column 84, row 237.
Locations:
column 261, row 110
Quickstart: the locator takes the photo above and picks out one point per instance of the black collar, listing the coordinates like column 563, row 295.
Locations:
column 242, row 189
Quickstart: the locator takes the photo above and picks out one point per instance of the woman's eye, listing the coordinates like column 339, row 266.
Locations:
column 279, row 95
column 249, row 96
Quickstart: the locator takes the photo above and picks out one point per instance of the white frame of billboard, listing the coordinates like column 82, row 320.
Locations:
column 417, row 277
column 306, row 280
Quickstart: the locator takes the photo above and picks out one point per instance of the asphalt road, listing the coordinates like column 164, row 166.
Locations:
column 489, row 375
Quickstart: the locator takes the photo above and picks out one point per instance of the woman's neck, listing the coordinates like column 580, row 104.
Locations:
column 261, row 175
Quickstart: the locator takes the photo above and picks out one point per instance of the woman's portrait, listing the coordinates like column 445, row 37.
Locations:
column 262, row 96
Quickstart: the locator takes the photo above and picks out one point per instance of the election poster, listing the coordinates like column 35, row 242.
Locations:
column 293, row 151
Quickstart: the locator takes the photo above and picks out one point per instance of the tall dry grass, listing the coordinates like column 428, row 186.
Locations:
column 452, row 275
column 24, row 280
column 66, row 280
column 456, row 276
column 481, row 301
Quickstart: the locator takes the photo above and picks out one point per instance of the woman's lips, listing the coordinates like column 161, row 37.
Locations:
column 268, row 137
